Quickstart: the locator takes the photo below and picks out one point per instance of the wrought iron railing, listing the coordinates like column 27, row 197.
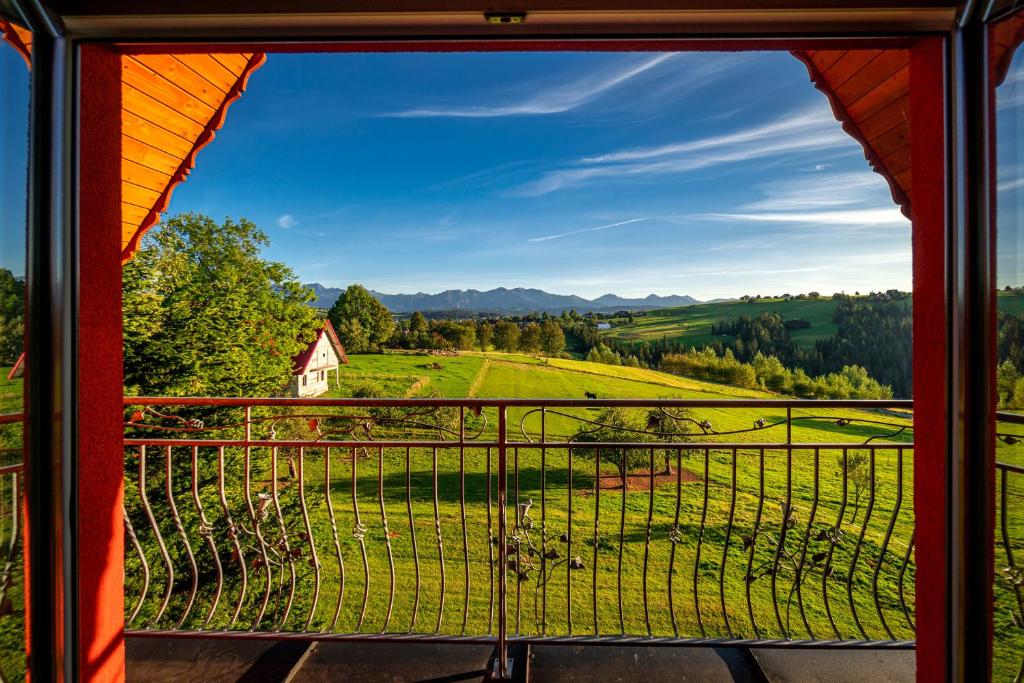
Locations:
column 478, row 520
column 12, row 613
column 1008, row 641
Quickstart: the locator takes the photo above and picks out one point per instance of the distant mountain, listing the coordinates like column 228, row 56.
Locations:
column 503, row 300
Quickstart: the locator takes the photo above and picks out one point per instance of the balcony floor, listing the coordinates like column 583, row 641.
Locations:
column 222, row 660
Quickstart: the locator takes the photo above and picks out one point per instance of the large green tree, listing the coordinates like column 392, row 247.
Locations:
column 552, row 339
column 12, row 316
column 362, row 322
column 205, row 314
column 506, row 336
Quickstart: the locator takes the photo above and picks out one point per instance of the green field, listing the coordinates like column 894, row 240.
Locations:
column 692, row 324
column 620, row 518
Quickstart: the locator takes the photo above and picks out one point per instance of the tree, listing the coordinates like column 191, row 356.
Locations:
column 529, row 338
column 552, row 339
column 12, row 316
column 484, row 335
column 419, row 331
column 856, row 467
column 205, row 314
column 506, row 336
column 375, row 322
column 616, row 424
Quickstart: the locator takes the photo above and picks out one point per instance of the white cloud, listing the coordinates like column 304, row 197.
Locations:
column 560, row 235
column 286, row 221
column 801, row 131
column 553, row 100
column 821, row 191
column 864, row 217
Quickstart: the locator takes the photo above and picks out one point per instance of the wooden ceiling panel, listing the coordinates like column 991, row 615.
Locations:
column 172, row 107
column 869, row 94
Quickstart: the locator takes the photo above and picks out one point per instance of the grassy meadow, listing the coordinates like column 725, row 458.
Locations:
column 686, row 593
column 692, row 324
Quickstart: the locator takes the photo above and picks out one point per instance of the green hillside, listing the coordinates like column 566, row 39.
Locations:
column 622, row 514
column 692, row 324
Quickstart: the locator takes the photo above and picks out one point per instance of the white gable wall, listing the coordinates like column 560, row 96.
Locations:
column 323, row 364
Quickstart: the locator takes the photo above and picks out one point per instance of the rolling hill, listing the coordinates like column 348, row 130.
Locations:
column 692, row 324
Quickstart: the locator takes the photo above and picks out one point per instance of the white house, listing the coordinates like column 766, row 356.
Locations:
column 604, row 326
column 311, row 375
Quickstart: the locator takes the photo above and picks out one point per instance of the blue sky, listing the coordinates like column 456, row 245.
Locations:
column 707, row 174
column 13, row 158
column 699, row 173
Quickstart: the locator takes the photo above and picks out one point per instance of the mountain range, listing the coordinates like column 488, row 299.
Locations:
column 503, row 300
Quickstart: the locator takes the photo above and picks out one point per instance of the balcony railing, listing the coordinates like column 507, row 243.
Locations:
column 1008, row 643
column 478, row 520
column 12, row 615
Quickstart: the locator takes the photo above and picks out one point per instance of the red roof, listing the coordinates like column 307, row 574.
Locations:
column 19, row 367
column 300, row 362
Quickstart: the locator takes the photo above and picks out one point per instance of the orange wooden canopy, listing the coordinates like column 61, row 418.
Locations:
column 172, row 106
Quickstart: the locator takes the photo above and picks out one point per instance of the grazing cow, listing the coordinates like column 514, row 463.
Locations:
column 591, row 395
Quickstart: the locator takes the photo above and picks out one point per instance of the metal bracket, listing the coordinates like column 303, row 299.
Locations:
column 496, row 670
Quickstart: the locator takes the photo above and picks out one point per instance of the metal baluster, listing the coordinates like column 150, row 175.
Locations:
column 647, row 542
column 490, row 549
column 803, row 553
column 206, row 530
column 700, row 543
column 233, row 535
column 314, row 559
column 462, row 508
column 387, row 538
column 440, row 543
column 359, row 532
column 860, row 542
column 543, row 524
column 597, row 517
column 412, row 537
column 255, row 517
column 827, row 571
column 903, row 570
column 518, row 535
column 568, row 553
column 675, row 538
column 502, row 655
column 622, row 540
column 289, row 559
column 164, row 556
column 753, row 541
column 130, row 533
column 725, row 546
column 334, row 535
column 176, row 518
column 787, row 514
column 885, row 543
column 1004, row 530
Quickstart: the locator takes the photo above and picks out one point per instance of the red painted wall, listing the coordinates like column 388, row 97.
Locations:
column 931, row 412
column 100, row 388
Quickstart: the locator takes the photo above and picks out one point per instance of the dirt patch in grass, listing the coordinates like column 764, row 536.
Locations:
column 641, row 481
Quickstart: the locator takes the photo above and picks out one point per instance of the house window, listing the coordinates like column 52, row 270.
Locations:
column 304, row 380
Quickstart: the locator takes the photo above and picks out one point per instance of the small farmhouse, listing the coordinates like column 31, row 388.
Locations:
column 311, row 374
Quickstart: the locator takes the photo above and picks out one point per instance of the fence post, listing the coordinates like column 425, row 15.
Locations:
column 502, row 666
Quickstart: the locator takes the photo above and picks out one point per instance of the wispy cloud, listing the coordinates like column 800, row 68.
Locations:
column 796, row 132
column 821, row 191
column 552, row 100
column 286, row 221
column 560, row 235
column 865, row 217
